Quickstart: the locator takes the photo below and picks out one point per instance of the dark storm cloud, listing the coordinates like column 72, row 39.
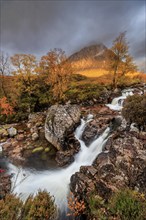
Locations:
column 37, row 26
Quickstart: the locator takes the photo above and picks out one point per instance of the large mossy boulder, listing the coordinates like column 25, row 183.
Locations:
column 61, row 120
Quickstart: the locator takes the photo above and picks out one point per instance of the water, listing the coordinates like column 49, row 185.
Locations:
column 117, row 103
column 26, row 182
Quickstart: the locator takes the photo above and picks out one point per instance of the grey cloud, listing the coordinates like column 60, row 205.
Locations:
column 37, row 26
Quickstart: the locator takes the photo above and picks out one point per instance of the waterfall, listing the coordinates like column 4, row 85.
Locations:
column 117, row 103
column 26, row 182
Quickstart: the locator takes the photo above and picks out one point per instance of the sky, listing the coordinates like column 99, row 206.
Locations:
column 37, row 26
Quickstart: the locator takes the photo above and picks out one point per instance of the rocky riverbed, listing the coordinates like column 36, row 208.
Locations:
column 121, row 164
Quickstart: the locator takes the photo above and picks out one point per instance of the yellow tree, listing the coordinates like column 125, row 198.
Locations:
column 58, row 70
column 25, row 73
column 120, row 60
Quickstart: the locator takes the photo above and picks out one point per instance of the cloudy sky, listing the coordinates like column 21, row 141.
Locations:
column 38, row 26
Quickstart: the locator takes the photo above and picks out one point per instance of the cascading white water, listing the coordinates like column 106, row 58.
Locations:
column 26, row 182
column 117, row 103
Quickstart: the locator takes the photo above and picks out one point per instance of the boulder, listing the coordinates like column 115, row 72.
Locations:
column 61, row 120
column 35, row 136
column 12, row 131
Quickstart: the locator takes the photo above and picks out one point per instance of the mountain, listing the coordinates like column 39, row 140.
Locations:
column 91, row 57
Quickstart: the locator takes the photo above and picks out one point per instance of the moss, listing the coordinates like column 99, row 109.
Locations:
column 47, row 149
column 37, row 149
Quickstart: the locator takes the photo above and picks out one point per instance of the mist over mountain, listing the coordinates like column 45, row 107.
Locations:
column 93, row 56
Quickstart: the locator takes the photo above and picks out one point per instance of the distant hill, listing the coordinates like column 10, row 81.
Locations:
column 91, row 57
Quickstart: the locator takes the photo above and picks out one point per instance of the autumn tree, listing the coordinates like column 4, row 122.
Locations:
column 120, row 60
column 4, row 70
column 5, row 107
column 25, row 74
column 58, row 70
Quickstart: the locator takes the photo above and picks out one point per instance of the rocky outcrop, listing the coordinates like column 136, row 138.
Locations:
column 61, row 120
column 122, row 164
column 103, row 117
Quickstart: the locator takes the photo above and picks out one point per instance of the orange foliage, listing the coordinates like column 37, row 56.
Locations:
column 76, row 207
column 5, row 107
column 56, row 66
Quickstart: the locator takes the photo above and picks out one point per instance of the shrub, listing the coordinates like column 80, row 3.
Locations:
column 128, row 205
column 96, row 205
column 134, row 110
column 83, row 92
column 40, row 207
column 123, row 205
column 5, row 107
column 76, row 207
column 10, row 207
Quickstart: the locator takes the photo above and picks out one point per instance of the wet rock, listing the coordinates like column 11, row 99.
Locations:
column 79, row 182
column 94, row 129
column 89, row 133
column 115, row 123
column 134, row 128
column 61, row 119
column 64, row 158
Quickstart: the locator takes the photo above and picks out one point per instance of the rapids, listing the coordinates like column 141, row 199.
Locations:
column 117, row 103
column 26, row 182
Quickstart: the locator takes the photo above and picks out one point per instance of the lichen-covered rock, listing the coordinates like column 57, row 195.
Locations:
column 61, row 120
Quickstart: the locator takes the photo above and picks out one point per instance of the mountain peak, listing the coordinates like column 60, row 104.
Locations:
column 91, row 51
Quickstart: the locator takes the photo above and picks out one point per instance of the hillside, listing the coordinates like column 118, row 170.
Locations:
column 93, row 57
